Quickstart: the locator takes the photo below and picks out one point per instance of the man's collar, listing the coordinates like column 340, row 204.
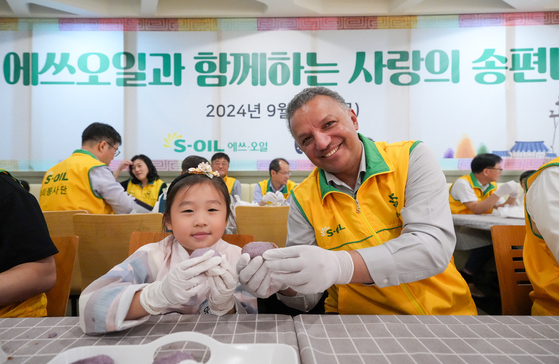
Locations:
column 375, row 163
column 272, row 189
column 83, row 151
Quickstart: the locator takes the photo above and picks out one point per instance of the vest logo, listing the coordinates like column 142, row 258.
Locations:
column 176, row 141
column 393, row 199
column 180, row 145
column 58, row 177
column 326, row 231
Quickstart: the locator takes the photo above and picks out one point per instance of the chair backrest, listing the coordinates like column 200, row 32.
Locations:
column 141, row 238
column 62, row 223
column 57, row 297
column 238, row 239
column 105, row 240
column 263, row 222
column 508, row 244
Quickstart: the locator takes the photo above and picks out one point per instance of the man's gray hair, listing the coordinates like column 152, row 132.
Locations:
column 307, row 95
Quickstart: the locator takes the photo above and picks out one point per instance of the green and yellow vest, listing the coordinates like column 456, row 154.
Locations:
column 457, row 207
column 229, row 181
column 286, row 190
column 149, row 194
column 341, row 222
column 540, row 263
column 66, row 186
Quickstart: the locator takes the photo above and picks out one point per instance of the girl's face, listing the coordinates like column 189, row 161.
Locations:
column 140, row 170
column 198, row 217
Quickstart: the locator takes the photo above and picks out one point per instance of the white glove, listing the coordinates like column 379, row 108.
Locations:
column 255, row 277
column 309, row 269
column 269, row 197
column 280, row 200
column 181, row 286
column 510, row 188
column 223, row 283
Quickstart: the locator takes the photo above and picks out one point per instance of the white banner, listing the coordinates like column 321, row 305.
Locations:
column 175, row 93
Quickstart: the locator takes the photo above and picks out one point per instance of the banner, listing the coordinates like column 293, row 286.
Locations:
column 175, row 87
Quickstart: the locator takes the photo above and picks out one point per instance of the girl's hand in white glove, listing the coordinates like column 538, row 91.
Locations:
column 223, row 282
column 181, row 286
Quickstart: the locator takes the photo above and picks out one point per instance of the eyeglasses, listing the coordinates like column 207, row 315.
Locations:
column 287, row 173
column 117, row 152
column 497, row 169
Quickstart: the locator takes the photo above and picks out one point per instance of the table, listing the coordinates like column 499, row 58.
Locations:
column 27, row 340
column 329, row 339
column 474, row 231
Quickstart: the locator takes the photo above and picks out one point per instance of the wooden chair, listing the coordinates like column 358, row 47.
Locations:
column 141, row 238
column 264, row 223
column 105, row 240
column 508, row 243
column 59, row 294
column 62, row 223
column 238, row 239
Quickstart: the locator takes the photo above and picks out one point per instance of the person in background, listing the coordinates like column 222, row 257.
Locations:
column 278, row 182
column 166, row 277
column 220, row 163
column 541, row 246
column 371, row 224
column 522, row 181
column 192, row 161
column 27, row 267
column 477, row 193
column 84, row 182
column 144, row 182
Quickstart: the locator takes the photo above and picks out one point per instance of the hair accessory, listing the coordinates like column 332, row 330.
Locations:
column 204, row 168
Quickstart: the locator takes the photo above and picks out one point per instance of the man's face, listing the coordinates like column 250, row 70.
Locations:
column 327, row 134
column 494, row 173
column 221, row 165
column 107, row 152
column 282, row 176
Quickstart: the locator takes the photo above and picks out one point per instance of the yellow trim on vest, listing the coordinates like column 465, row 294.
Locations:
column 230, row 182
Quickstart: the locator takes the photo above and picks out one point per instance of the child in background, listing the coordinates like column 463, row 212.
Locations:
column 160, row 278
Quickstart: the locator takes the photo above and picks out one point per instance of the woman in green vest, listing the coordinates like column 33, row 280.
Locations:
column 144, row 184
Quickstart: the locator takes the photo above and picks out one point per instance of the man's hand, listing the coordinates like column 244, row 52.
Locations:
column 181, row 286
column 309, row 269
column 510, row 188
column 255, row 277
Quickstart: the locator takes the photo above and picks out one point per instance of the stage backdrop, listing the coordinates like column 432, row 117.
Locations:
column 463, row 84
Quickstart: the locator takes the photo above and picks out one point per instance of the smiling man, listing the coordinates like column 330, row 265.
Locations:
column 371, row 224
column 84, row 182
column 220, row 163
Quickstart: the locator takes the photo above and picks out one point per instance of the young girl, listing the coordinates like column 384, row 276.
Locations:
column 161, row 277
column 144, row 183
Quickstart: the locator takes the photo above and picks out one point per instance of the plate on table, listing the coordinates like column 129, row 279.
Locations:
column 219, row 353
